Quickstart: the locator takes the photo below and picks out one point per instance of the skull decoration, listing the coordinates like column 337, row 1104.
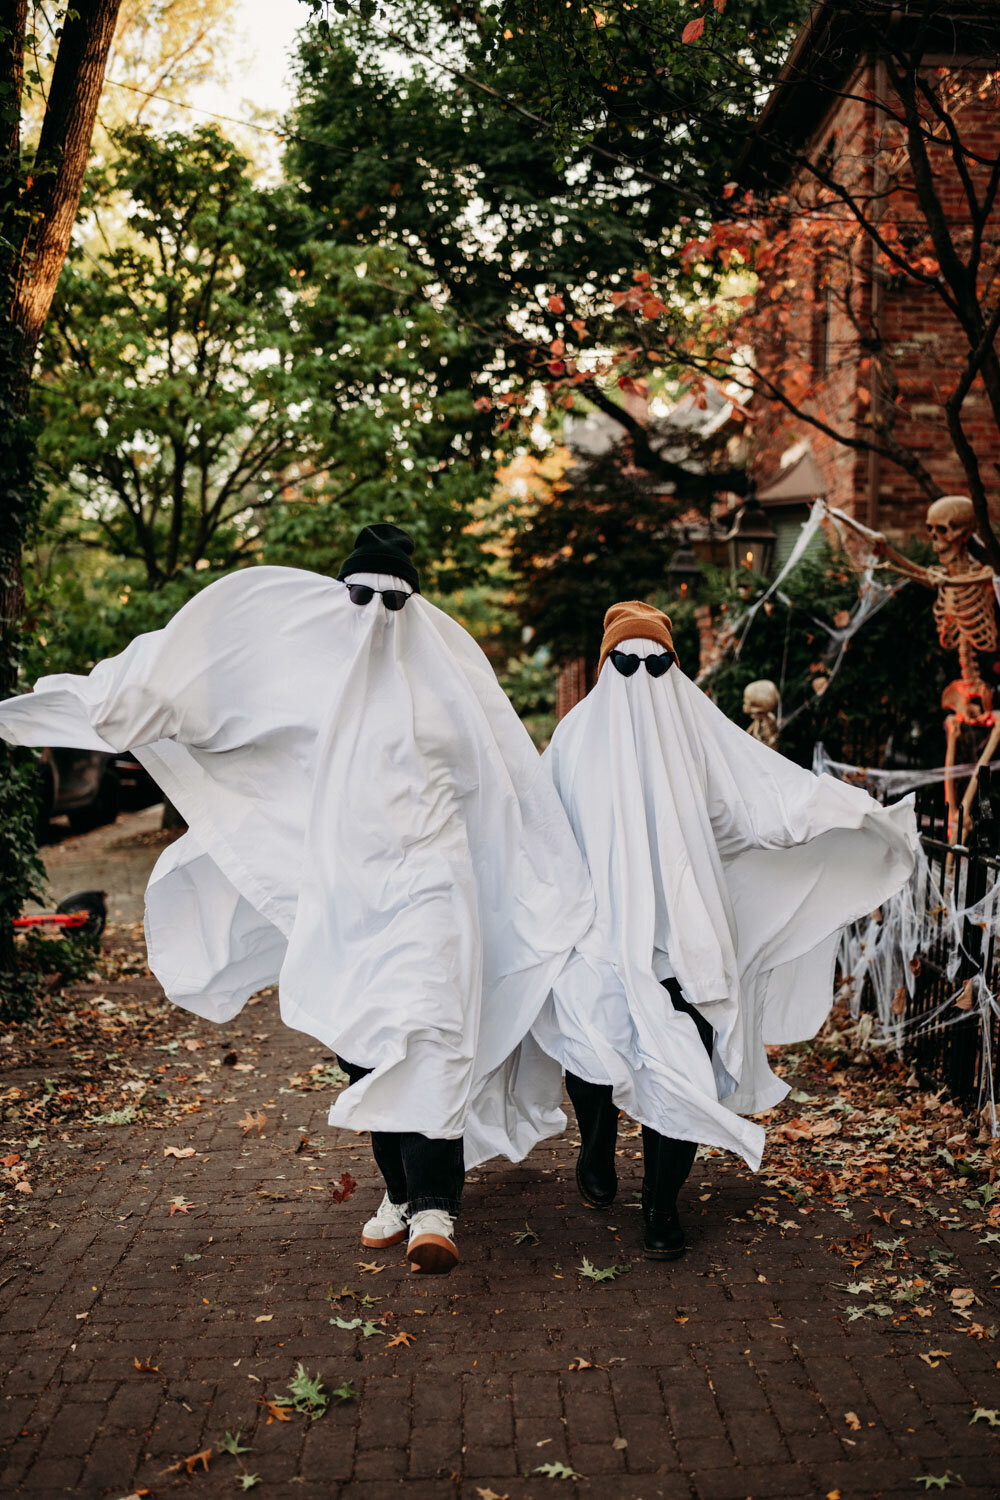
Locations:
column 950, row 521
column 760, row 701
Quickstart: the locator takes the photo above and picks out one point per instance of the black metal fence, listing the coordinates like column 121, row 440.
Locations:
column 950, row 1038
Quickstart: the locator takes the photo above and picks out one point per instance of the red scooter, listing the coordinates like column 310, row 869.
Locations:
column 83, row 915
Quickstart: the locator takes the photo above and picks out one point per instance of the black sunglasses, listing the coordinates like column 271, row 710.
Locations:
column 360, row 593
column 656, row 666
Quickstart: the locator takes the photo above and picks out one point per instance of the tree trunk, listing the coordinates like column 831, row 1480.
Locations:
column 61, row 159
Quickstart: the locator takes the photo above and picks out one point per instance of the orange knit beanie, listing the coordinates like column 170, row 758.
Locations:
column 630, row 620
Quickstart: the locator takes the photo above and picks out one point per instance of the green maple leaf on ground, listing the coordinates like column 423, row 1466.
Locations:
column 981, row 1414
column 230, row 1444
column 247, row 1481
column 368, row 1328
column 115, row 1116
column 526, row 1236
column 878, row 1310
column 938, row 1481
column 345, row 1391
column 557, row 1471
column 308, row 1394
column 595, row 1273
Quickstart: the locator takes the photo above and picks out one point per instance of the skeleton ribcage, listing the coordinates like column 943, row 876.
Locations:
column 966, row 612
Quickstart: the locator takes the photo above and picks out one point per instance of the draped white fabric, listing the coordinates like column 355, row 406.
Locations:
column 739, row 866
column 370, row 826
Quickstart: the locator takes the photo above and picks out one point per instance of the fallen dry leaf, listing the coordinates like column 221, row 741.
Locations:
column 264, row 1318
column 146, row 1368
column 402, row 1338
column 249, row 1121
column 191, row 1044
column 853, row 1420
column 371, row 1266
column 490, row 1494
column 582, row 1364
column 276, row 1413
column 181, row 1152
column 619, row 1444
column 344, row 1188
column 190, row 1463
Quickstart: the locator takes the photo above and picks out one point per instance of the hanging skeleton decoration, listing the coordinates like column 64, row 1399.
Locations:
column 965, row 614
column 760, row 701
column 965, row 607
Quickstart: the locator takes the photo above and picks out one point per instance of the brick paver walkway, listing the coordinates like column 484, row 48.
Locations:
column 115, row 858
column 133, row 1337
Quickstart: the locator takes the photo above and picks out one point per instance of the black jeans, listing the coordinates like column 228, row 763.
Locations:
column 418, row 1171
column 666, row 1161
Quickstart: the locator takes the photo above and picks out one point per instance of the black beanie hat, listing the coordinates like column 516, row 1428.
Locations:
column 383, row 548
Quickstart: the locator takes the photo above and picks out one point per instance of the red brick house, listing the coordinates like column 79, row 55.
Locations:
column 836, row 323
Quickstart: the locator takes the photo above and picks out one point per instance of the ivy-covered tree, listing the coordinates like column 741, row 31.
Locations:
column 39, row 194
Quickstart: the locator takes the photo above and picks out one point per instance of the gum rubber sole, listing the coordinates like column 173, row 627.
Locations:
column 370, row 1243
column 665, row 1254
column 432, row 1255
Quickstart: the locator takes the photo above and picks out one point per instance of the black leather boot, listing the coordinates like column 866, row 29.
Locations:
column 666, row 1164
column 597, row 1117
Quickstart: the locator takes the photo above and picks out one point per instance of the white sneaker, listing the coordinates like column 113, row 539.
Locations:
column 431, row 1250
column 387, row 1227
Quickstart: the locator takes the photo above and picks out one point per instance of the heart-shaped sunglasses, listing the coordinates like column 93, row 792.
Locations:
column 360, row 593
column 628, row 664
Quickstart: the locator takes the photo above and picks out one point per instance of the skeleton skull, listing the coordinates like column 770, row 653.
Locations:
column 760, row 697
column 950, row 521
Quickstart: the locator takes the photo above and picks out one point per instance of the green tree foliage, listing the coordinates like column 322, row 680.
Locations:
column 220, row 387
column 602, row 534
column 166, row 47
column 532, row 157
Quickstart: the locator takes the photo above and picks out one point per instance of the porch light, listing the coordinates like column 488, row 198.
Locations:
column 752, row 537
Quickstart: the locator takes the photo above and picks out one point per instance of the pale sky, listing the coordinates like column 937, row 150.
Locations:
column 259, row 73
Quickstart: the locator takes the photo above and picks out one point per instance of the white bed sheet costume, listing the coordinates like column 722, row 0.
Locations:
column 370, row 827
column 717, row 861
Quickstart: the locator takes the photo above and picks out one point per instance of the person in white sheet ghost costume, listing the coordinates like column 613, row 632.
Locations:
column 723, row 875
column 371, row 827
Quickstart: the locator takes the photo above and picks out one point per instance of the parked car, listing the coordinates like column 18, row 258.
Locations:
column 83, row 784
column 138, row 789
